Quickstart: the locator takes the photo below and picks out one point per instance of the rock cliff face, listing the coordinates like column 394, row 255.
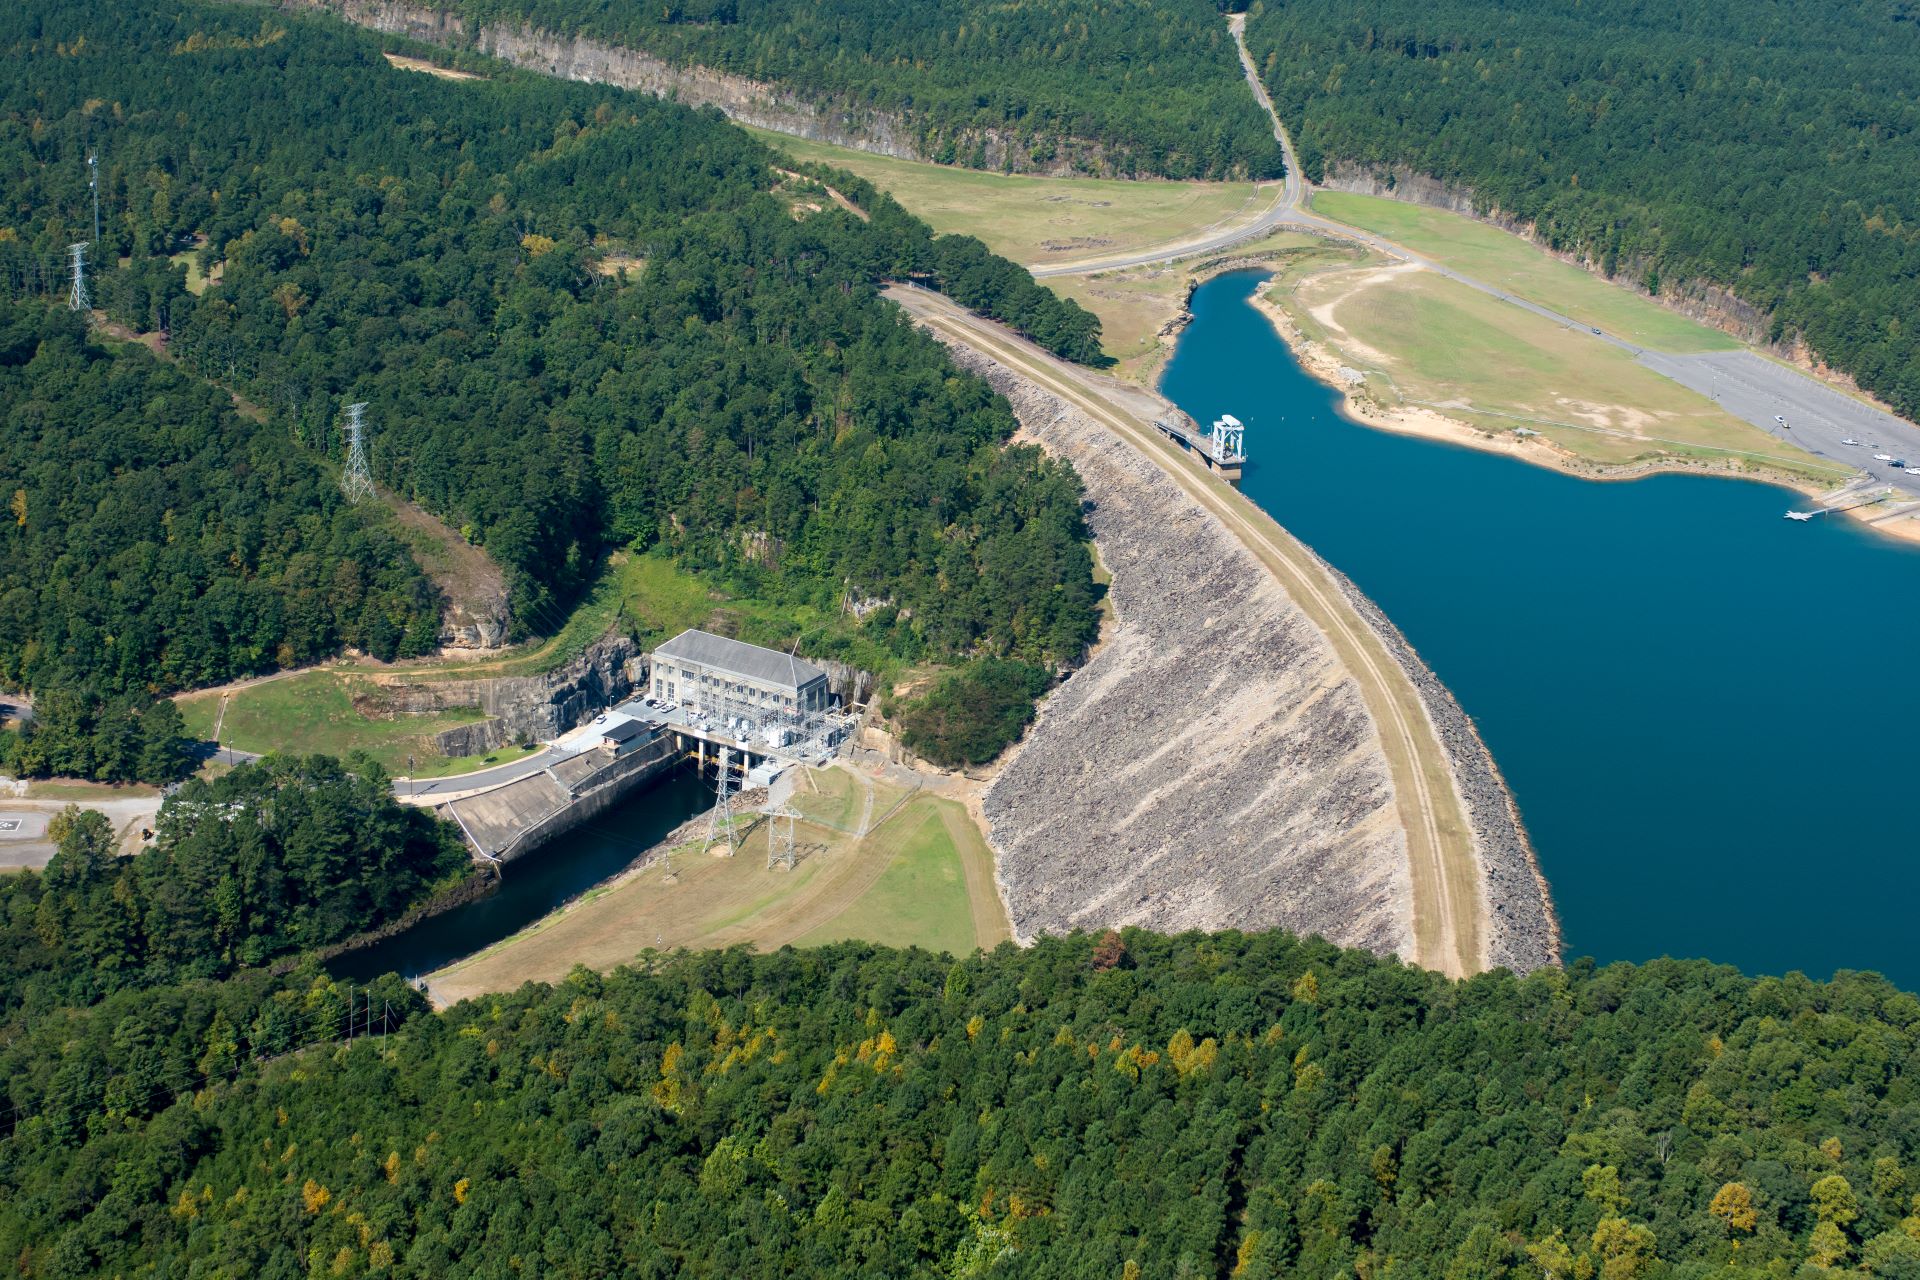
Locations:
column 752, row 102
column 1213, row 766
column 519, row 707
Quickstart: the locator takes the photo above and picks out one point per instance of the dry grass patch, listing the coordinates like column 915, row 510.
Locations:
column 405, row 63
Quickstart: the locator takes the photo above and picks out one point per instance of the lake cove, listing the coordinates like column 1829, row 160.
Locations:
column 1709, row 715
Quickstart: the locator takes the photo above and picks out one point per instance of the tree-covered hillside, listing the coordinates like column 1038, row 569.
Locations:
column 273, row 857
column 1146, row 87
column 1770, row 148
column 1194, row 1106
column 160, row 540
column 582, row 318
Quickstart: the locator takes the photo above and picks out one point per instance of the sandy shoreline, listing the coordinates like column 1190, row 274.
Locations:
column 1323, row 365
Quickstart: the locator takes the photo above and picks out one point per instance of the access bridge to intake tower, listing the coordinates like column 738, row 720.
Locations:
column 1222, row 447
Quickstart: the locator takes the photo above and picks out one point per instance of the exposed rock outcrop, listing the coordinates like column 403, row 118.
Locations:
column 752, row 102
column 517, row 707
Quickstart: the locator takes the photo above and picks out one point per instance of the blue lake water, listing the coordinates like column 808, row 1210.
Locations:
column 1710, row 716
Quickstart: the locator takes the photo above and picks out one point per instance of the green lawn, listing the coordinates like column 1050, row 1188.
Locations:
column 315, row 712
column 919, row 900
column 1033, row 219
column 1499, row 258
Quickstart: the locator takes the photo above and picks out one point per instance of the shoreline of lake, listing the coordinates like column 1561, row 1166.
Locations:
column 1537, row 450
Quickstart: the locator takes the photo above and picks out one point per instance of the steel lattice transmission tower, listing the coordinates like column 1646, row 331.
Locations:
column 720, row 825
column 77, row 296
column 357, row 483
column 780, row 841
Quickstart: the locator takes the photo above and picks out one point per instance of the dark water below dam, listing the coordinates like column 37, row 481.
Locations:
column 1710, row 716
column 536, row 883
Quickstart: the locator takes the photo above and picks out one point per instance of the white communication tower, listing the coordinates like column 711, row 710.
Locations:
column 77, row 296
column 357, row 482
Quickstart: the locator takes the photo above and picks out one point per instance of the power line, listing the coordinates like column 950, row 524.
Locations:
column 77, row 295
column 357, row 483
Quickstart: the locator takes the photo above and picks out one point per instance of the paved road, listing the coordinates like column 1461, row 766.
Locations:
column 433, row 790
column 1818, row 418
column 1746, row 385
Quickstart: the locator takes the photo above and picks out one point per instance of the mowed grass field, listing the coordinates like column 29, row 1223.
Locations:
column 923, row 878
column 315, row 712
column 1431, row 341
column 1499, row 258
column 1134, row 303
column 1041, row 220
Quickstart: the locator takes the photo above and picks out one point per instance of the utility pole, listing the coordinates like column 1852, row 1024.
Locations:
column 722, row 819
column 77, row 295
column 780, row 843
column 357, row 483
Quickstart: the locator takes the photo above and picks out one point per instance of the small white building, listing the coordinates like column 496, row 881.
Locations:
column 730, row 680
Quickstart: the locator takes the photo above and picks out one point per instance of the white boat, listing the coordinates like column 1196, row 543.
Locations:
column 1801, row 515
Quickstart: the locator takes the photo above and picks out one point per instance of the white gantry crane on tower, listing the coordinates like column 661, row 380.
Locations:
column 1227, row 439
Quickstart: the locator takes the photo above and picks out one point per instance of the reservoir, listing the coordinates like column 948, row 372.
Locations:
column 1709, row 715
column 537, row 882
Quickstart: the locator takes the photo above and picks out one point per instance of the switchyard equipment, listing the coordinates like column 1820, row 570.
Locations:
column 776, row 703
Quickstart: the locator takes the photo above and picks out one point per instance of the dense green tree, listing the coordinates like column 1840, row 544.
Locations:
column 1218, row 1105
column 1766, row 148
column 278, row 856
column 160, row 540
column 743, row 399
column 1147, row 87
column 971, row 715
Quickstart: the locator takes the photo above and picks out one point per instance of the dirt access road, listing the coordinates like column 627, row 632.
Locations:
column 1449, row 924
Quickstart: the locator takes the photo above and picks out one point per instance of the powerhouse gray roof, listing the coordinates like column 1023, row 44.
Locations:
column 768, row 665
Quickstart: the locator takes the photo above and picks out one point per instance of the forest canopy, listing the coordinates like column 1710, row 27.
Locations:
column 1766, row 148
column 159, row 540
column 1122, row 87
column 582, row 319
column 1227, row 1105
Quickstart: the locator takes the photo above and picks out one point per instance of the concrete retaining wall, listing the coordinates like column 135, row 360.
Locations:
column 620, row 779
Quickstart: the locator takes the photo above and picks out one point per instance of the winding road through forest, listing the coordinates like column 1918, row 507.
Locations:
column 1779, row 399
